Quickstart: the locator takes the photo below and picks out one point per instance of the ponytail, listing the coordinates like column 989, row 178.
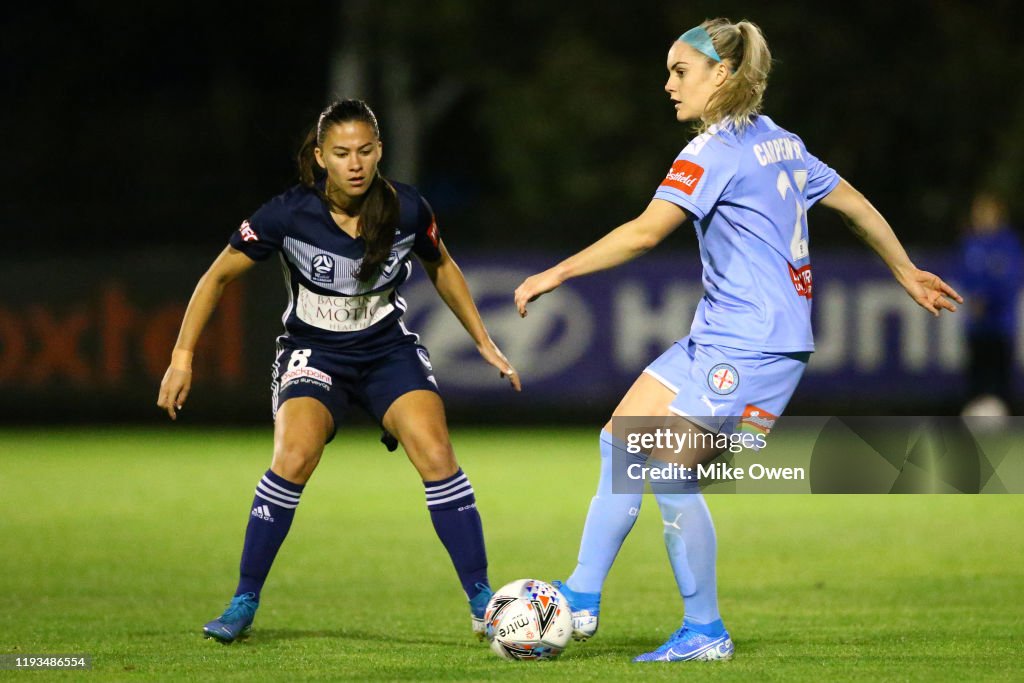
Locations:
column 306, row 160
column 378, row 219
column 743, row 48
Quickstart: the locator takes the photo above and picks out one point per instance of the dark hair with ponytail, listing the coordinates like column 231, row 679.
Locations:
column 378, row 216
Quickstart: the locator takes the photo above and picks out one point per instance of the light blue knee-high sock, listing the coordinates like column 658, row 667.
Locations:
column 609, row 520
column 692, row 549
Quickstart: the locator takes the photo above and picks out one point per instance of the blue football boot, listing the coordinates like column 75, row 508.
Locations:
column 584, row 608
column 687, row 644
column 236, row 622
column 477, row 606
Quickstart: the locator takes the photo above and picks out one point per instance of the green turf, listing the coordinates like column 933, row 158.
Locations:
column 122, row 543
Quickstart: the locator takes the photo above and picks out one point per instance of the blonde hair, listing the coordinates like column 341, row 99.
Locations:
column 744, row 50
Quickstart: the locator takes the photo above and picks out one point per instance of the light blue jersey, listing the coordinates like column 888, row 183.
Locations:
column 749, row 193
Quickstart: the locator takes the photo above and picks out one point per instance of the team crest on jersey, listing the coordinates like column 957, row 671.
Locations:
column 389, row 266
column 683, row 176
column 723, row 379
column 322, row 268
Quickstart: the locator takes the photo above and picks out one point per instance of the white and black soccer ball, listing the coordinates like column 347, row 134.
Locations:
column 528, row 619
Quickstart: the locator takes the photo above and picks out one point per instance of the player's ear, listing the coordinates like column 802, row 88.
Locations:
column 319, row 157
column 721, row 73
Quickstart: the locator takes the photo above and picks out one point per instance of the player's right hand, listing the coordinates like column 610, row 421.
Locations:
column 174, row 390
column 535, row 286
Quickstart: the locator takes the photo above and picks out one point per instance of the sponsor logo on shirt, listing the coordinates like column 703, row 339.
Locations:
column 433, row 233
column 342, row 313
column 802, row 280
column 683, row 176
column 757, row 420
column 322, row 269
column 248, row 234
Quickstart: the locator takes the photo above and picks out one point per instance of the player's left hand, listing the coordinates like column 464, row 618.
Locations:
column 493, row 355
column 930, row 292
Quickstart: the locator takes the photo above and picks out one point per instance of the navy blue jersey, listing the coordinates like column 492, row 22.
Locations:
column 327, row 306
column 991, row 272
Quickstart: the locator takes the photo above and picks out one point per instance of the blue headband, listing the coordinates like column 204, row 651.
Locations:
column 699, row 39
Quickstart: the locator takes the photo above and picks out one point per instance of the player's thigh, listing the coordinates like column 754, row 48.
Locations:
column 302, row 428
column 417, row 419
column 646, row 398
column 649, row 398
column 653, row 396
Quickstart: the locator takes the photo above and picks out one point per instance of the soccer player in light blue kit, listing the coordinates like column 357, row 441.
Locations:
column 746, row 184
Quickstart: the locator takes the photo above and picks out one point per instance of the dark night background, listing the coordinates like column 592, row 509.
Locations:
column 538, row 124
column 138, row 137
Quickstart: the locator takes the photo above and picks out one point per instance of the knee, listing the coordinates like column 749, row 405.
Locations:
column 677, row 498
column 436, row 461
column 295, row 461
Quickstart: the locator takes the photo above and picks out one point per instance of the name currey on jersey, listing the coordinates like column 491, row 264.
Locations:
column 777, row 149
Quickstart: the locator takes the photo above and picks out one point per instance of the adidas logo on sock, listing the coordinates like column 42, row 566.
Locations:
column 262, row 512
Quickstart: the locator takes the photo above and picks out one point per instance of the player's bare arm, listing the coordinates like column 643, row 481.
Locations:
column 622, row 244
column 927, row 289
column 177, row 381
column 453, row 289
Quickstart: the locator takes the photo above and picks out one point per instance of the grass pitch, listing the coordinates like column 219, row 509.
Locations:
column 120, row 544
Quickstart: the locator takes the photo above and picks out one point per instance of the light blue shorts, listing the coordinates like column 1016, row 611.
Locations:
column 726, row 390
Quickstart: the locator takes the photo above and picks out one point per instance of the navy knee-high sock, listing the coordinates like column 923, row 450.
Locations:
column 453, row 511
column 272, row 511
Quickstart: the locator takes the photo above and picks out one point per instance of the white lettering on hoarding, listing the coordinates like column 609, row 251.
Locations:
column 831, row 338
column 643, row 328
column 862, row 326
column 877, row 304
column 555, row 336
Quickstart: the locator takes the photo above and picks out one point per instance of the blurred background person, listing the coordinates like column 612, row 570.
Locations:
column 991, row 277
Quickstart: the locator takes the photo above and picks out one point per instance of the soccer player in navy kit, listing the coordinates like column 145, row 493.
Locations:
column 746, row 183
column 345, row 241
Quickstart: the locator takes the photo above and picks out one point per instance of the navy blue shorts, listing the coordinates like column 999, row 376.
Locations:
column 337, row 381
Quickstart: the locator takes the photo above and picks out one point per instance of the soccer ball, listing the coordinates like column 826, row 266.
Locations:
column 528, row 619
